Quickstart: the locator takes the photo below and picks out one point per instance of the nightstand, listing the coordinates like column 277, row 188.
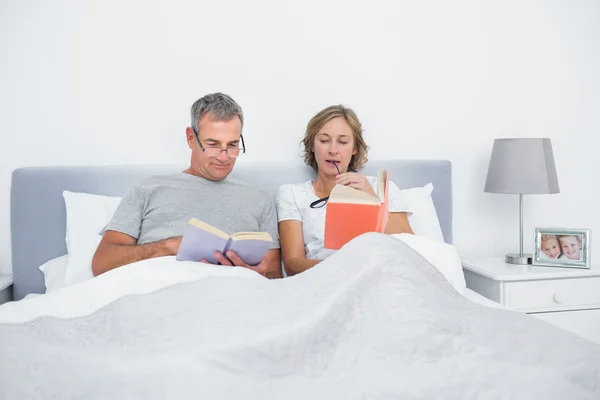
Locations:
column 566, row 297
column 5, row 289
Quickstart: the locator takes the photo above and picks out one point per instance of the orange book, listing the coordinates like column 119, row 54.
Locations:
column 351, row 212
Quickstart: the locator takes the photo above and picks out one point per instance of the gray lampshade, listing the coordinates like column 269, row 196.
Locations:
column 522, row 166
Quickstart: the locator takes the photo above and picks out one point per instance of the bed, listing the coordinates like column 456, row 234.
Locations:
column 36, row 190
column 387, row 316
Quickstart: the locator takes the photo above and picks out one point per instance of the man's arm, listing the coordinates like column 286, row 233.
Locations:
column 117, row 249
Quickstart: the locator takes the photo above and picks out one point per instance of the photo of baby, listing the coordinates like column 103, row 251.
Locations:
column 562, row 247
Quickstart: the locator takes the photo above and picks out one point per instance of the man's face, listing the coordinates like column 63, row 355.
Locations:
column 571, row 247
column 214, row 134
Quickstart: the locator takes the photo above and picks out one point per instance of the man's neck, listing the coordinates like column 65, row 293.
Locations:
column 190, row 171
column 198, row 174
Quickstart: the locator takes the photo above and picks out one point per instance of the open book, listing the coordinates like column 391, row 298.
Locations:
column 351, row 212
column 200, row 241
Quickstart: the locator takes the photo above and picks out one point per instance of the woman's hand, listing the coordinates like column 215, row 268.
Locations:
column 356, row 181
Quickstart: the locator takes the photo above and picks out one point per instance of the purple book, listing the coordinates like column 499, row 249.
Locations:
column 201, row 240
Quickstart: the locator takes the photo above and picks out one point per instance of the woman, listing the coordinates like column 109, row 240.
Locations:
column 335, row 149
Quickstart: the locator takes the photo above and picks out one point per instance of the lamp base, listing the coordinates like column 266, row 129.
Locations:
column 518, row 259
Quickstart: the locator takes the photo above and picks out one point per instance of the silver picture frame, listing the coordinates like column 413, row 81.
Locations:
column 562, row 247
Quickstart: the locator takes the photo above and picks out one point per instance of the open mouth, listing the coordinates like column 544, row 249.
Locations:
column 333, row 163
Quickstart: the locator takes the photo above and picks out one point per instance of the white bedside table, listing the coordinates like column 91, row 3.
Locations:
column 5, row 289
column 566, row 297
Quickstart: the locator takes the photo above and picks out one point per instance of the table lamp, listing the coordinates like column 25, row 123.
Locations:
column 521, row 166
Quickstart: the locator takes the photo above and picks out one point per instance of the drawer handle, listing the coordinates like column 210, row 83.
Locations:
column 557, row 298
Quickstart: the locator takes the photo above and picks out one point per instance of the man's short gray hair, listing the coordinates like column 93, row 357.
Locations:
column 221, row 107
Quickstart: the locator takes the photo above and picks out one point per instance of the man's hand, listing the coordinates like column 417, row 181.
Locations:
column 270, row 265
column 172, row 244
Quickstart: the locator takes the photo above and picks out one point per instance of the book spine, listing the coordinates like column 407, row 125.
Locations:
column 227, row 246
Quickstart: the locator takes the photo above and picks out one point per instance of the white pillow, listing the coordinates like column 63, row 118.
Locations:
column 423, row 218
column 54, row 271
column 87, row 215
column 441, row 255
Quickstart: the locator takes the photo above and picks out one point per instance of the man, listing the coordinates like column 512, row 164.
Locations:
column 151, row 216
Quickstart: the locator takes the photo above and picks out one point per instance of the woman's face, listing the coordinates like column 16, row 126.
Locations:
column 571, row 247
column 334, row 145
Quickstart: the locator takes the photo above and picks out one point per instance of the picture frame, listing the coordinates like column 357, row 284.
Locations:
column 562, row 247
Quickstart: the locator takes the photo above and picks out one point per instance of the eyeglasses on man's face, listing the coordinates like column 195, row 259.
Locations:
column 216, row 151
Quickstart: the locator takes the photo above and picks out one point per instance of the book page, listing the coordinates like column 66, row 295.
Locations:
column 252, row 236
column 382, row 176
column 209, row 228
column 345, row 194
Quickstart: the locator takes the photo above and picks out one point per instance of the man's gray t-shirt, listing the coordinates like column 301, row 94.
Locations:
column 160, row 207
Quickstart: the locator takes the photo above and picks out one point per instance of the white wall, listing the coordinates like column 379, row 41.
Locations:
column 111, row 82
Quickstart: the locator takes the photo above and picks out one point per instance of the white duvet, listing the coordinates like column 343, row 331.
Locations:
column 154, row 274
column 374, row 321
column 140, row 277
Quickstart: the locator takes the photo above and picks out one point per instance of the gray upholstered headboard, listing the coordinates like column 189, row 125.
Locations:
column 38, row 211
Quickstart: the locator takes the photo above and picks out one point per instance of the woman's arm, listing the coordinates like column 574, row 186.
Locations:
column 398, row 223
column 291, row 241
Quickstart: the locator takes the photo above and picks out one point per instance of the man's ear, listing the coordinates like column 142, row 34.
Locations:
column 189, row 135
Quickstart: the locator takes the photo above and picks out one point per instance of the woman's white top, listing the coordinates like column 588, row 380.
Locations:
column 293, row 203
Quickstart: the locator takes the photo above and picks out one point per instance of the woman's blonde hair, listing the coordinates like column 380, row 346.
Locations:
column 317, row 122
